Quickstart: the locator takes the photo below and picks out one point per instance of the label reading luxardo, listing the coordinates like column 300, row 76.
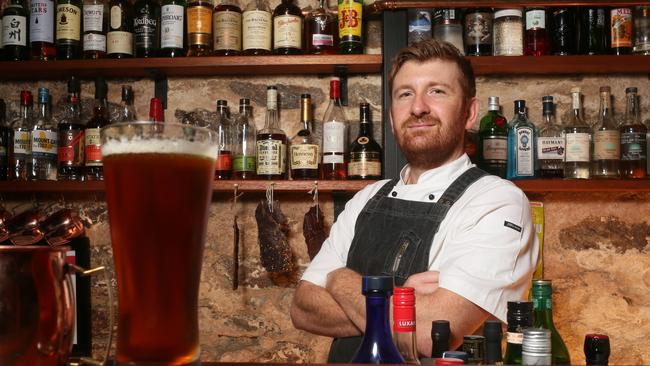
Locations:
column 14, row 30
column 68, row 22
column 349, row 18
column 256, row 30
column 304, row 156
column 269, row 157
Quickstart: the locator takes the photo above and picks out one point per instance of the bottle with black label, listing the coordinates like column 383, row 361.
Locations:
column 68, row 29
column 14, row 31
column 173, row 28
column 146, row 22
column 365, row 152
column 119, row 40
column 95, row 26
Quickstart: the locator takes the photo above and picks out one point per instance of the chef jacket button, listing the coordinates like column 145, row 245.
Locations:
column 394, row 194
column 431, row 197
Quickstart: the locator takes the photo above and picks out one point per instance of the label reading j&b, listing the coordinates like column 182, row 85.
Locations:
column 171, row 27
column 287, row 31
column 93, row 147
column 304, row 156
column 256, row 30
column 350, row 13
column 41, row 22
column 269, row 157
column 227, row 30
column 550, row 148
column 68, row 22
column 14, row 30
column 525, row 152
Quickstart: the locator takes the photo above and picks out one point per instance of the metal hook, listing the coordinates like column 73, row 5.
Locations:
column 314, row 193
column 269, row 196
column 236, row 195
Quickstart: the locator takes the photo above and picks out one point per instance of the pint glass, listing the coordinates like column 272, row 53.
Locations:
column 158, row 191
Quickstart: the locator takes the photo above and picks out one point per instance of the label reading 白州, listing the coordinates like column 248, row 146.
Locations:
column 14, row 30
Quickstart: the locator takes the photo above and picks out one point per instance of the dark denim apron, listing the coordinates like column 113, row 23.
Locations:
column 393, row 237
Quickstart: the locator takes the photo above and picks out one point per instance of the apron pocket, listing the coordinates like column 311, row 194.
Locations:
column 400, row 260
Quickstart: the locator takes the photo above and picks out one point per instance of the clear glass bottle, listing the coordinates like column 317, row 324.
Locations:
column 541, row 294
column 404, row 324
column 243, row 164
column 642, row 30
column 5, row 135
column 474, row 346
column 257, row 28
column 521, row 144
column 520, row 317
column 127, row 110
column 95, row 26
column 350, row 26
column 287, row 29
column 633, row 139
column 20, row 150
column 271, row 142
column 71, row 137
column 493, row 140
column 607, row 140
column 508, row 33
column 304, row 150
column 365, row 153
column 93, row 143
column 223, row 126
column 447, row 27
column 578, row 136
column 41, row 29
column 420, row 25
column 44, row 140
column 620, row 25
column 536, row 41
column 335, row 136
column 227, row 28
column 321, row 31
column 550, row 143
column 478, row 32
column 199, row 27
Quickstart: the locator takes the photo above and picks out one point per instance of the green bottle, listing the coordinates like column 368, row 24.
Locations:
column 493, row 140
column 520, row 317
column 542, row 302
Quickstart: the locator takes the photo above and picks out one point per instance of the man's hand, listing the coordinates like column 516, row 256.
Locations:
column 344, row 285
column 424, row 283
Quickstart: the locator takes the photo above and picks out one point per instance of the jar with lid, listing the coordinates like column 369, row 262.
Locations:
column 447, row 27
column 642, row 30
column 508, row 33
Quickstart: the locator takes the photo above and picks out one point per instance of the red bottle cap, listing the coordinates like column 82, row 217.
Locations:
column 26, row 97
column 335, row 89
column 156, row 113
column 449, row 361
column 403, row 309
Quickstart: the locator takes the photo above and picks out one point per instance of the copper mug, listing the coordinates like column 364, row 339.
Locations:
column 37, row 306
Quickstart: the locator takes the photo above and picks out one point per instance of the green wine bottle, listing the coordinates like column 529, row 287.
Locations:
column 543, row 310
column 520, row 317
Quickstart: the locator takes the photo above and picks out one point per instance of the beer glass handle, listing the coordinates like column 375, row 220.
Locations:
column 89, row 272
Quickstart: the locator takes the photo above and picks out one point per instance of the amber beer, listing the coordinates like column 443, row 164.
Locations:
column 158, row 190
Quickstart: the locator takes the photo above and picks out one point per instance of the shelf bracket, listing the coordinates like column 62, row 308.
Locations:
column 341, row 72
column 160, row 89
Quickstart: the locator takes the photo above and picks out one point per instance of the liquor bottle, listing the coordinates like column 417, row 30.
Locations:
column 271, row 143
column 377, row 344
column 550, row 143
column 172, row 28
column 620, row 25
column 493, row 337
column 350, row 26
column 127, row 111
column 287, row 29
column 321, row 31
column 304, row 149
column 41, row 30
column 199, row 28
column 597, row 349
column 71, row 150
column 439, row 338
column 14, row 31
column 95, row 26
column 563, row 31
column 223, row 127
column 5, row 136
column 44, row 141
column 68, row 29
column 522, row 138
column 474, row 346
column 447, row 27
column 227, row 20
column 365, row 152
column 592, row 33
column 119, row 39
column 146, row 23
column 20, row 153
column 478, row 32
column 536, row 42
column 419, row 21
column 334, row 135
column 543, row 318
column 520, row 317
column 404, row 324
column 578, row 136
column 257, row 24
column 93, row 144
column 607, row 140
column 641, row 30
column 156, row 111
column 633, row 139
column 243, row 164
column 493, row 140
column 536, row 347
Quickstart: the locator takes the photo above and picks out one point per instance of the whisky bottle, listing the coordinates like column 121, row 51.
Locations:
column 478, row 32
column 156, row 111
column 287, row 29
column 41, row 30
column 257, row 24
column 93, row 144
column 227, row 28
column 5, row 135
column 563, row 31
column 550, row 143
column 607, row 140
column 335, row 136
column 365, row 152
column 633, row 139
column 14, row 31
column 520, row 317
column 119, row 39
column 541, row 294
column 578, row 136
column 536, row 42
column 522, row 138
column 127, row 111
column 223, row 126
column 71, row 149
column 199, row 28
column 304, row 149
column 44, row 141
column 20, row 150
column 243, row 164
column 271, row 144
column 592, row 32
column 350, row 26
column 146, row 23
column 173, row 28
column 620, row 31
column 321, row 31
column 68, row 29
column 493, row 140
column 95, row 26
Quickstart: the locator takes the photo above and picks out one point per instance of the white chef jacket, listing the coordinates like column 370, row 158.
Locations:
column 485, row 249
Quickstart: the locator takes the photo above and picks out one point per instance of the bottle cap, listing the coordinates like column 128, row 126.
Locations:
column 306, row 95
column 596, row 349
column 156, row 113
column 547, row 105
column 520, row 106
column 493, row 333
column 507, row 13
column 271, row 97
column 492, row 330
column 630, row 90
column 26, row 97
column 537, row 341
column 404, row 296
column 376, row 284
column 127, row 93
column 449, row 361
column 222, row 103
column 520, row 313
column 244, row 101
column 43, row 95
column 575, row 89
column 493, row 103
column 542, row 288
column 605, row 89
column 455, row 354
column 335, row 89
column 73, row 85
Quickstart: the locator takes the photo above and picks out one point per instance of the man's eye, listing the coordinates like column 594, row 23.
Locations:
column 404, row 94
column 436, row 91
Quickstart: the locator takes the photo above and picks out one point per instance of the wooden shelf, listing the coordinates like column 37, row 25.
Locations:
column 381, row 5
column 546, row 65
column 189, row 66
column 583, row 185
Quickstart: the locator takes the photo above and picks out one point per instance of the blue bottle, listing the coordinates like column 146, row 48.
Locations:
column 522, row 140
column 377, row 345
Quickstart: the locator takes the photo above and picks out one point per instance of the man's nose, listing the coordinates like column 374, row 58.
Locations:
column 419, row 107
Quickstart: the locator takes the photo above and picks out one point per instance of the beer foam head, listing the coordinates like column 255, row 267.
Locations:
column 159, row 146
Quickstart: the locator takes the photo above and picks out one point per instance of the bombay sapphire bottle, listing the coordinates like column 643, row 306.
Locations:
column 377, row 345
column 521, row 144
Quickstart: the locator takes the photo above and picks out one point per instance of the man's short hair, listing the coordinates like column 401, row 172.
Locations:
column 429, row 50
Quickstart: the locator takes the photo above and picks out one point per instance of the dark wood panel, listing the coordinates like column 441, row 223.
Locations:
column 381, row 5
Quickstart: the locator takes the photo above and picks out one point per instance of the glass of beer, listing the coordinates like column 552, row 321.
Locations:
column 158, row 191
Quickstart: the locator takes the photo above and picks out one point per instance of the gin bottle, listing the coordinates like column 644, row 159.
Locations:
column 578, row 141
column 521, row 144
column 607, row 144
column 20, row 150
column 44, row 141
column 493, row 140
column 633, row 139
column 550, row 143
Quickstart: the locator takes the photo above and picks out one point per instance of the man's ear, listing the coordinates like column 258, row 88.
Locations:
column 472, row 113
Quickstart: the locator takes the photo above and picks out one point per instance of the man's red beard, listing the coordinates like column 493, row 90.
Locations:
column 431, row 146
